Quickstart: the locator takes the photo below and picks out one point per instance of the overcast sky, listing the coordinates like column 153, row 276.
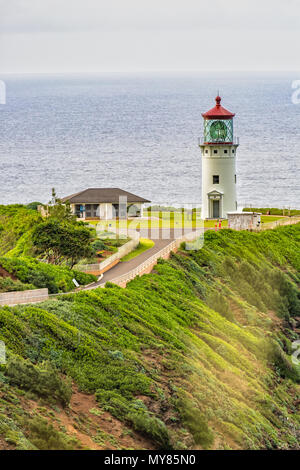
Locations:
column 144, row 35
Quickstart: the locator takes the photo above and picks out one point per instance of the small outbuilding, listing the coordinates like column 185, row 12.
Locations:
column 105, row 203
column 244, row 220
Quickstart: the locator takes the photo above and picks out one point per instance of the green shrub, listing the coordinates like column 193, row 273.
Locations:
column 41, row 379
column 55, row 278
column 62, row 240
column 17, row 221
column 217, row 302
column 195, row 422
column 132, row 412
column 151, row 427
column 114, row 403
column 8, row 285
column 33, row 205
column 83, row 278
column 45, row 437
column 283, row 366
column 98, row 245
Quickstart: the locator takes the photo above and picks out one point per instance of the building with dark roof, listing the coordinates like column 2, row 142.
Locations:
column 105, row 203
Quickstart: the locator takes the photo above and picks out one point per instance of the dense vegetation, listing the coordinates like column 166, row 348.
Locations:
column 194, row 355
column 59, row 242
column 32, row 272
column 16, row 225
column 26, row 240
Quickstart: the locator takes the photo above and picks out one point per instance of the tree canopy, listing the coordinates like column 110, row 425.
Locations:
column 59, row 240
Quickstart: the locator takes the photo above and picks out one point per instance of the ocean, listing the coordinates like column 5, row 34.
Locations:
column 140, row 133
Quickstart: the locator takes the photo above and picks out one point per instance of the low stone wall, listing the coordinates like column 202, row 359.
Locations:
column 94, row 268
column 23, row 297
column 148, row 265
column 99, row 268
column 280, row 222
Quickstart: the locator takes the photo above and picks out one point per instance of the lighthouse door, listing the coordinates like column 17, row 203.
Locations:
column 216, row 209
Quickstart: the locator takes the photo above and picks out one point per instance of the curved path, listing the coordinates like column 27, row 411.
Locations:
column 124, row 267
column 162, row 237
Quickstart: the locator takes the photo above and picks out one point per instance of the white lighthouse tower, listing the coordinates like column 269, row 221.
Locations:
column 218, row 163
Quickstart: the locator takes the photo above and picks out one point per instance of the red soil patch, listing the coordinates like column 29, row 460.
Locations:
column 80, row 423
column 4, row 445
column 4, row 273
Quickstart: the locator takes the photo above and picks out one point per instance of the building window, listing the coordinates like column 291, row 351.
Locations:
column 225, row 151
column 215, row 151
column 216, row 179
column 232, row 150
column 206, row 151
column 235, row 178
column 91, row 210
column 79, row 210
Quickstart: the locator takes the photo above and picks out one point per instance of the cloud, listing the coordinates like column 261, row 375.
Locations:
column 143, row 51
column 97, row 35
column 27, row 16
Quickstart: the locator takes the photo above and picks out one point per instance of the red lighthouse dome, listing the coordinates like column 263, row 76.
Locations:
column 218, row 112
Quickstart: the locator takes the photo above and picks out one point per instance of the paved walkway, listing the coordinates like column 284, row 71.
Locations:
column 124, row 267
column 161, row 237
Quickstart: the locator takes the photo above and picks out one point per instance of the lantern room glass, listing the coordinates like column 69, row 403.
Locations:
column 218, row 130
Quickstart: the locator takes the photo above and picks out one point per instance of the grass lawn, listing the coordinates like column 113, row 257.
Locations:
column 269, row 218
column 165, row 220
column 212, row 223
column 176, row 220
column 144, row 245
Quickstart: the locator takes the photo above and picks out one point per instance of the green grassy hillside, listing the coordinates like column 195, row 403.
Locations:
column 19, row 258
column 16, row 225
column 194, row 355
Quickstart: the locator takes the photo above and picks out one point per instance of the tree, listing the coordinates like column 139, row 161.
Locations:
column 62, row 211
column 77, row 243
column 59, row 240
column 33, row 205
column 57, row 209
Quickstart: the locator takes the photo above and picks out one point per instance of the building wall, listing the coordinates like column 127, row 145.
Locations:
column 224, row 165
column 106, row 210
column 244, row 221
column 139, row 207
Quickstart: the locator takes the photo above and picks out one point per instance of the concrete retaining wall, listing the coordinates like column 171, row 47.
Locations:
column 148, row 265
column 280, row 222
column 99, row 268
column 244, row 220
column 23, row 297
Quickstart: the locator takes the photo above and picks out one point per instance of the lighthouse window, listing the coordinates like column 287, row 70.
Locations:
column 216, row 179
column 215, row 151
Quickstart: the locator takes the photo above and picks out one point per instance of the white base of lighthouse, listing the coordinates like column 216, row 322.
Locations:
column 218, row 180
